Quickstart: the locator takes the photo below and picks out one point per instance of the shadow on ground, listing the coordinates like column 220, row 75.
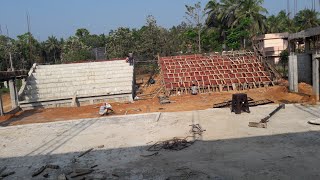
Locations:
column 16, row 117
column 284, row 156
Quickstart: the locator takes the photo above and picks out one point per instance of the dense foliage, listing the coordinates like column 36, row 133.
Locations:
column 220, row 25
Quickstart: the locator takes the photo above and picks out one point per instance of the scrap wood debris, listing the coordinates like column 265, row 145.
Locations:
column 174, row 144
column 3, row 175
column 81, row 172
column 164, row 99
column 227, row 103
column 41, row 169
column 76, row 173
column 196, row 129
column 177, row 144
column 86, row 152
column 251, row 103
column 7, row 174
column 153, row 154
column 260, row 102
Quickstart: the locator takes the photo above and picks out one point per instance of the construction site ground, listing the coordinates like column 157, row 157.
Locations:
column 278, row 94
column 228, row 149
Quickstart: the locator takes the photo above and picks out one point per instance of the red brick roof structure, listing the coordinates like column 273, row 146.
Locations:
column 217, row 72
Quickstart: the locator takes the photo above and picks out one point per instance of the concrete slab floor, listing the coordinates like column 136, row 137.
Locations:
column 228, row 149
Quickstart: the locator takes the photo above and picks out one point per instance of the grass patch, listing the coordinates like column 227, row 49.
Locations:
column 4, row 90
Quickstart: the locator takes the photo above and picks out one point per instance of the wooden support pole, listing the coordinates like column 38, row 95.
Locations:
column 1, row 106
column 13, row 93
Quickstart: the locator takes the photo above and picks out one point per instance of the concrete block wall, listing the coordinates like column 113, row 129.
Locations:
column 304, row 68
column 60, row 83
column 300, row 70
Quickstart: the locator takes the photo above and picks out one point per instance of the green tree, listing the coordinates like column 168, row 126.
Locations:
column 213, row 12
column 231, row 12
column 280, row 23
column 306, row 18
column 53, row 47
column 28, row 49
column 6, row 47
column 119, row 42
column 82, row 33
column 195, row 17
column 284, row 58
column 151, row 39
column 238, row 34
column 75, row 50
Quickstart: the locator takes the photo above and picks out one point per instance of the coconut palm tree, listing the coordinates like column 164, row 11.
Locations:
column 53, row 46
column 253, row 10
column 231, row 12
column 306, row 18
column 280, row 23
column 213, row 11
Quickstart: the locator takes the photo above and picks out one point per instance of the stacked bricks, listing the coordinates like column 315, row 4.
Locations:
column 214, row 72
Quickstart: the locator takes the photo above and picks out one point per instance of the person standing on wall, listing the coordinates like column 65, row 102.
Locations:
column 130, row 59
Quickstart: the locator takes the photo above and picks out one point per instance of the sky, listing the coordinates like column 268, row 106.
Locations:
column 61, row 18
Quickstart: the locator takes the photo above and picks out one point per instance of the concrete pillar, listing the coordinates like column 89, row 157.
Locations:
column 1, row 106
column 315, row 78
column 293, row 73
column 306, row 45
column 13, row 94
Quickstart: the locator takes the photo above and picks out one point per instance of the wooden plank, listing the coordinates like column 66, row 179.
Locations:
column 1, row 106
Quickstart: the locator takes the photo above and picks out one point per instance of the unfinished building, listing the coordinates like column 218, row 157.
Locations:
column 304, row 59
column 271, row 45
column 215, row 72
column 77, row 84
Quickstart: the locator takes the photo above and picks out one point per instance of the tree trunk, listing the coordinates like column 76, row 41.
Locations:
column 54, row 56
column 199, row 39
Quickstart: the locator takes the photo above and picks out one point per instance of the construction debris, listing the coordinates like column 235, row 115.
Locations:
column 94, row 166
column 158, row 117
column 263, row 122
column 223, row 104
column 7, row 174
column 175, row 144
column 251, row 103
column 86, row 152
column 81, row 172
column 100, row 146
column 260, row 102
column 50, row 166
column 196, row 129
column 62, row 177
column 153, row 154
column 40, row 170
column 116, row 175
column 164, row 99
column 227, row 103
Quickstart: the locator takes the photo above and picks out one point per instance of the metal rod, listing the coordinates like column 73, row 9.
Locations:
column 266, row 119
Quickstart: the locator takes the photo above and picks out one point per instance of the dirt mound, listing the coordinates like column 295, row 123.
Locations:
column 185, row 102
